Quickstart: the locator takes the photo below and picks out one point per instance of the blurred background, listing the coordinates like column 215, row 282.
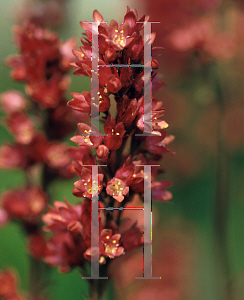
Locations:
column 198, row 240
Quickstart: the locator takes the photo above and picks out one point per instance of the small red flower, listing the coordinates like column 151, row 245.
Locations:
column 114, row 133
column 81, row 102
column 132, row 238
column 63, row 216
column 83, row 187
column 157, row 144
column 158, row 190
column 86, row 139
column 65, row 250
column 22, row 127
column 117, row 189
column 26, row 204
column 12, row 156
column 127, row 110
column 56, row 155
column 109, row 246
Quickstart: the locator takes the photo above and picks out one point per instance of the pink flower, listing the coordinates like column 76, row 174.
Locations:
column 83, row 187
column 109, row 246
column 63, row 216
column 158, row 190
column 117, row 189
column 86, row 139
column 13, row 101
column 56, row 155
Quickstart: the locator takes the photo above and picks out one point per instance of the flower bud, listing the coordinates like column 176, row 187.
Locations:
column 110, row 55
column 113, row 84
column 102, row 152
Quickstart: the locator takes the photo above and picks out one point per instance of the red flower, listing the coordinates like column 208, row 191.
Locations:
column 117, row 189
column 86, row 139
column 42, row 63
column 157, row 144
column 22, row 127
column 83, row 187
column 56, row 155
column 26, row 205
column 113, row 84
column 114, row 133
column 65, row 250
column 109, row 246
column 11, row 156
column 132, row 238
column 63, row 216
column 126, row 172
column 127, row 110
column 81, row 102
column 158, row 190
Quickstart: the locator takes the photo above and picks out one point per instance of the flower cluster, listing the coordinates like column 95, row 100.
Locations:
column 8, row 286
column 38, row 122
column 42, row 63
column 120, row 152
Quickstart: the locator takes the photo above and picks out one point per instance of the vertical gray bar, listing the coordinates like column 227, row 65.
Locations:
column 148, row 130
column 147, row 79
column 147, row 247
column 95, row 224
column 147, row 223
column 95, row 82
column 94, row 228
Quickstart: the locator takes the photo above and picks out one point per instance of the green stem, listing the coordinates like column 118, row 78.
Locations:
column 37, row 268
column 97, row 289
column 37, row 283
column 221, row 207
